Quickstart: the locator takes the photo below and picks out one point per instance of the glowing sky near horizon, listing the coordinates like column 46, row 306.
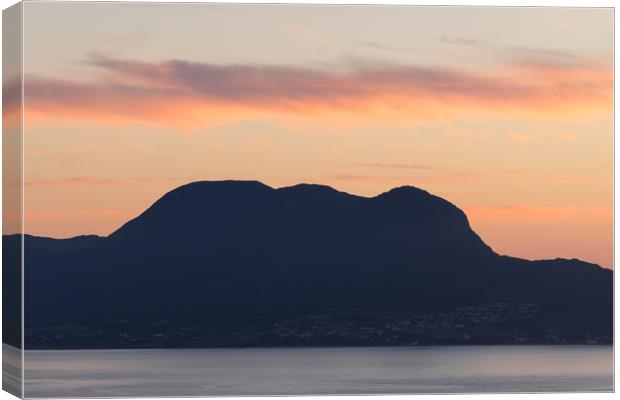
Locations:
column 505, row 112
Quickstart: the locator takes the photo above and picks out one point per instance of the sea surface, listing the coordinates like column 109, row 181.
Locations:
column 300, row 371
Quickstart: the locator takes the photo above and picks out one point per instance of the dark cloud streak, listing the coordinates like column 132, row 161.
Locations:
column 132, row 88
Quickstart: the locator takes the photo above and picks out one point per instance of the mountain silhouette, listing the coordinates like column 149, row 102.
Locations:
column 227, row 254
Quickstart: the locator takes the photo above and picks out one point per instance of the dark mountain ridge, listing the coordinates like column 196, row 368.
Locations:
column 228, row 254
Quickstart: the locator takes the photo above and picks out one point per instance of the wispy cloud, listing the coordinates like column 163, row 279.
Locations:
column 397, row 166
column 95, row 181
column 354, row 177
column 531, row 212
column 11, row 93
column 527, row 55
column 384, row 47
column 460, row 41
column 178, row 91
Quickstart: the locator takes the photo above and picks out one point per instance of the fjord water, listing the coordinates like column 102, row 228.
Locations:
column 296, row 371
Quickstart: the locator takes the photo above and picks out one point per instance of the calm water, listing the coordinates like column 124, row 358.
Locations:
column 291, row 371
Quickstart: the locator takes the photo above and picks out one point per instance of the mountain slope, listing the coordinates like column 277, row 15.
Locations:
column 231, row 253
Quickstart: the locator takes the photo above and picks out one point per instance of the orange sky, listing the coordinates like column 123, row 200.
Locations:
column 505, row 112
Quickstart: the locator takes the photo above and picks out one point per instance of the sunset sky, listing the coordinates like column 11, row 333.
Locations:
column 505, row 112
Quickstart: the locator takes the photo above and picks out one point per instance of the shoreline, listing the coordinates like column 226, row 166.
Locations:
column 318, row 347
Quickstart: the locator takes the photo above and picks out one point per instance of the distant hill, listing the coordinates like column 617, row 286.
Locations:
column 231, row 254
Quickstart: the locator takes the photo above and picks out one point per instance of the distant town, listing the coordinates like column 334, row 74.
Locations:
column 494, row 323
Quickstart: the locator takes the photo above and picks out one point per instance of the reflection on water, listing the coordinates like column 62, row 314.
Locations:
column 291, row 371
column 11, row 370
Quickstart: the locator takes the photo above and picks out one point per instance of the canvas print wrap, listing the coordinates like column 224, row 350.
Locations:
column 12, row 211
column 235, row 199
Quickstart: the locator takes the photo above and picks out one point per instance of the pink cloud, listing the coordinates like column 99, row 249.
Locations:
column 183, row 92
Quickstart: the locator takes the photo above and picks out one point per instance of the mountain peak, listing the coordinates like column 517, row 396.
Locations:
column 309, row 187
column 221, row 185
column 416, row 197
column 406, row 191
column 313, row 191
